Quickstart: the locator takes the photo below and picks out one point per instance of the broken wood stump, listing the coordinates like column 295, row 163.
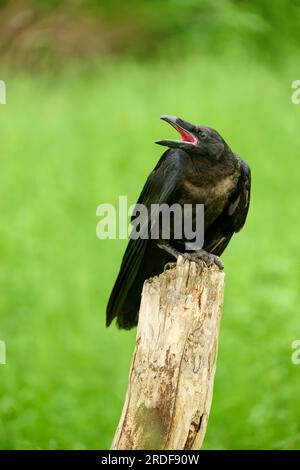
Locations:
column 170, row 383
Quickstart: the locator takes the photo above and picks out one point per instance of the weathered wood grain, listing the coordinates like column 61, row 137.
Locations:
column 171, row 378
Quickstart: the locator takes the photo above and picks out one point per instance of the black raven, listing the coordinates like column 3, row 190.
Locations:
column 198, row 169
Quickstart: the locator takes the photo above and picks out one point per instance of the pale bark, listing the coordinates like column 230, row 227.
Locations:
column 171, row 378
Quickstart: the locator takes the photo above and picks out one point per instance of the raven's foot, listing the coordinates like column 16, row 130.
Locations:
column 202, row 258
column 169, row 265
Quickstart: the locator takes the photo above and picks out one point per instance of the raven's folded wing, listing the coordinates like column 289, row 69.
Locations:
column 234, row 215
column 158, row 189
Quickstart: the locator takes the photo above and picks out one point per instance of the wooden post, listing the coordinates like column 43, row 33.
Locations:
column 171, row 378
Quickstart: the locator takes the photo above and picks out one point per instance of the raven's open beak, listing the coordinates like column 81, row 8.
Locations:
column 186, row 130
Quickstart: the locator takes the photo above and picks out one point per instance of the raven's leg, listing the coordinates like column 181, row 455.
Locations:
column 169, row 265
column 172, row 251
column 198, row 257
column 208, row 258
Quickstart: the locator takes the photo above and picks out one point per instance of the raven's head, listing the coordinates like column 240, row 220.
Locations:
column 200, row 140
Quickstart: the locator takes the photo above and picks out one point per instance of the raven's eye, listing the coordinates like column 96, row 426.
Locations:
column 203, row 135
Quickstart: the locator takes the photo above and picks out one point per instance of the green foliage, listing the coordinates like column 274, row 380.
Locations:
column 164, row 27
column 69, row 145
column 263, row 22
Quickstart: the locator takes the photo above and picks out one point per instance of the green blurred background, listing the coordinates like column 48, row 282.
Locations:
column 86, row 84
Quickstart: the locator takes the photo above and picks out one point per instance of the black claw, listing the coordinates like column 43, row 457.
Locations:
column 202, row 257
column 195, row 259
column 169, row 265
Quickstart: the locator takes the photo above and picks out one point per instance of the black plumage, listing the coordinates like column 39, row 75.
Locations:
column 199, row 169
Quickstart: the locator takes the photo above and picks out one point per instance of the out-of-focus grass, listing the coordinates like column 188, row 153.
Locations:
column 69, row 145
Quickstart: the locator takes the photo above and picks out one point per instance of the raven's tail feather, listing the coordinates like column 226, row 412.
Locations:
column 142, row 259
column 118, row 304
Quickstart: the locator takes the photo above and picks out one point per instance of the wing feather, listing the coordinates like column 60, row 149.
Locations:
column 158, row 189
column 234, row 215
